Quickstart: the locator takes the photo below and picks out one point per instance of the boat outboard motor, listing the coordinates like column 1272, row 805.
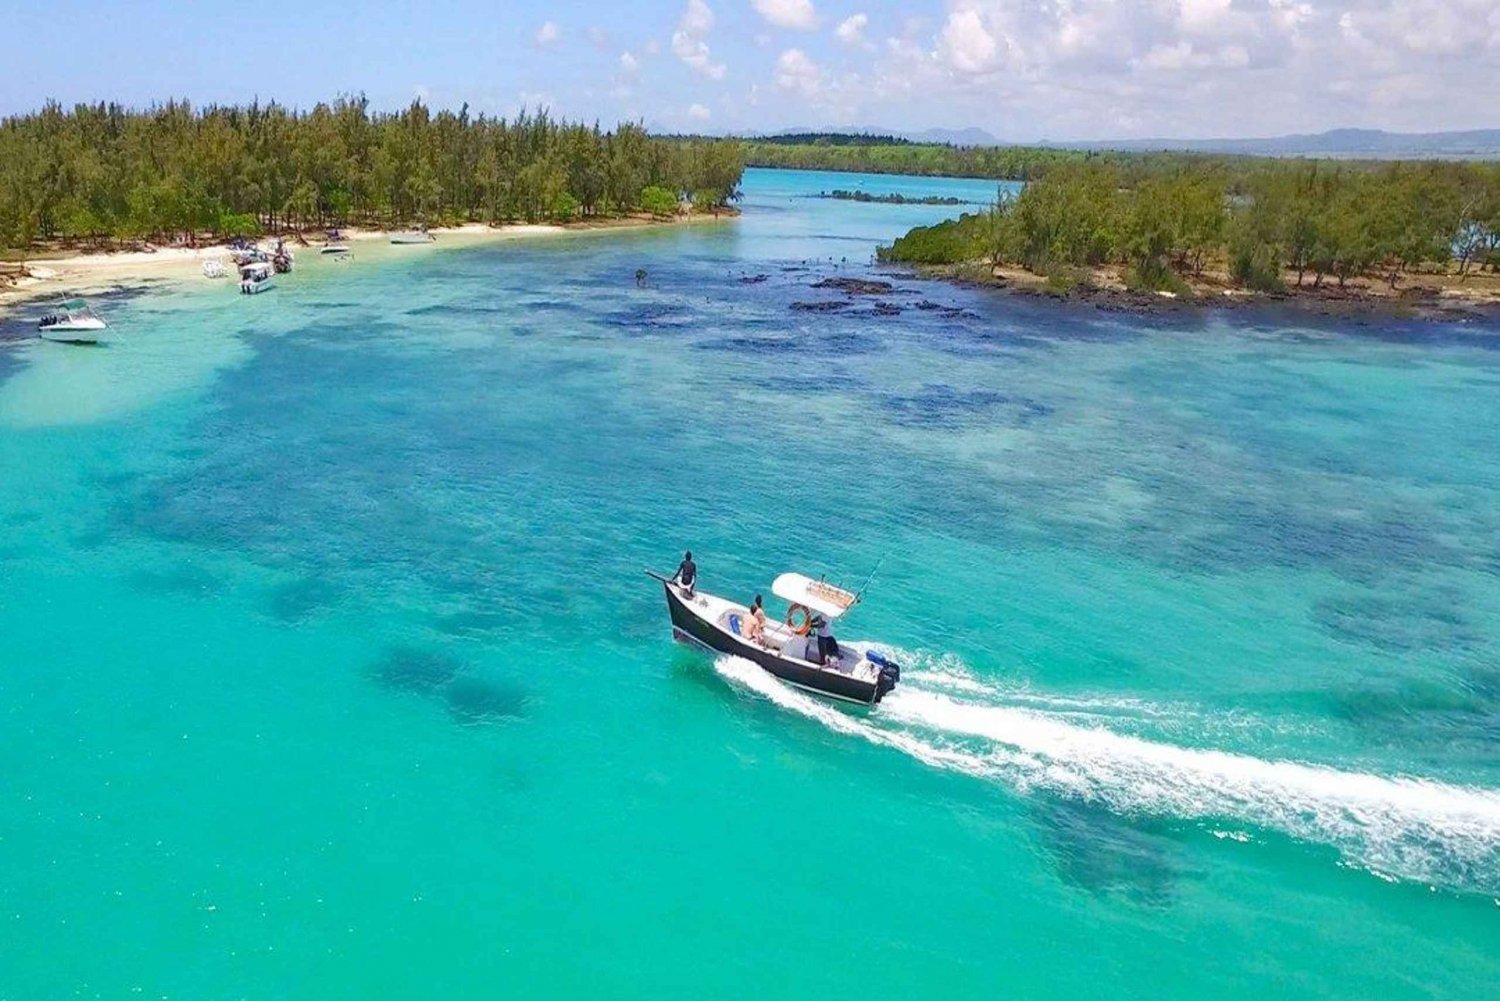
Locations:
column 890, row 672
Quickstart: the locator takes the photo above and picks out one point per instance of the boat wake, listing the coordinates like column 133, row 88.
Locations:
column 1394, row 826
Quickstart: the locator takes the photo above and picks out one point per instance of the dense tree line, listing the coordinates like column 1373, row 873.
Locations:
column 105, row 172
column 1015, row 163
column 832, row 139
column 880, row 155
column 1263, row 221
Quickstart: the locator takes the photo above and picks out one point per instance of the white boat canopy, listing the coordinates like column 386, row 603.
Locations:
column 818, row 595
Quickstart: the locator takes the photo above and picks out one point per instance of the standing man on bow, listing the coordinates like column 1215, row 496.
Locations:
column 687, row 574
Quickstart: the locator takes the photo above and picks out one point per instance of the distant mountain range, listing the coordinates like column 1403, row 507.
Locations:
column 1349, row 143
column 1374, row 143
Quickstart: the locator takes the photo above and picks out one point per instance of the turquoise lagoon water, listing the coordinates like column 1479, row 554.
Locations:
column 330, row 671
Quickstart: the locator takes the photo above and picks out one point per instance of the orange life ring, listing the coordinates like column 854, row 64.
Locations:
column 805, row 626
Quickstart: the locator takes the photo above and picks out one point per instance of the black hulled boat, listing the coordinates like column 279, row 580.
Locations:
column 789, row 651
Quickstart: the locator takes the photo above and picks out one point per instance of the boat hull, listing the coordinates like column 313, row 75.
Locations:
column 691, row 627
column 81, row 331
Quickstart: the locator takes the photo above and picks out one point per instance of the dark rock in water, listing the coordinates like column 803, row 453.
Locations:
column 754, row 345
column 411, row 669
column 1105, row 853
column 928, row 304
column 856, row 286
column 886, row 309
column 1396, row 626
column 820, row 307
column 940, row 405
column 475, row 701
column 754, row 279
column 300, row 600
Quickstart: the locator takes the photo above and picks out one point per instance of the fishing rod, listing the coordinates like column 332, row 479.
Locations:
column 859, row 595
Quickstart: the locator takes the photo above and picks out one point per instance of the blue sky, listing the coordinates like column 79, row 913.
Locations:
column 1021, row 69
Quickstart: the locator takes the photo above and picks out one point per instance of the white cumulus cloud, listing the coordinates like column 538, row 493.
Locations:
column 788, row 13
column 699, row 113
column 689, row 41
column 548, row 33
column 968, row 42
column 851, row 30
column 796, row 73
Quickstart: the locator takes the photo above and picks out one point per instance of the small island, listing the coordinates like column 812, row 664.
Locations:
column 1344, row 237
column 894, row 198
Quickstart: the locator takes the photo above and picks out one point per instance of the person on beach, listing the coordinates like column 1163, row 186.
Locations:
column 687, row 574
column 755, row 622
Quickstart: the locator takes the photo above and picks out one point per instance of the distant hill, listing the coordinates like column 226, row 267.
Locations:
column 1374, row 144
column 956, row 137
column 1348, row 143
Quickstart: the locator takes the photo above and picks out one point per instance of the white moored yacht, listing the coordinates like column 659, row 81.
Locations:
column 72, row 322
column 412, row 236
column 257, row 277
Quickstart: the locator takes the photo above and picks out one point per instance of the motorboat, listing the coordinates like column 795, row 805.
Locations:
column 257, row 277
column 214, row 268
column 412, row 236
column 334, row 249
column 788, row 650
column 281, row 258
column 243, row 253
column 72, row 322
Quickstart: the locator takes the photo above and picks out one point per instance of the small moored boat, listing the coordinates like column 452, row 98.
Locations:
column 334, row 249
column 788, row 649
column 72, row 322
column 412, row 236
column 257, row 277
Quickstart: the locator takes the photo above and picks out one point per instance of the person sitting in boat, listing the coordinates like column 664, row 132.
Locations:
column 687, row 574
column 755, row 622
column 828, row 647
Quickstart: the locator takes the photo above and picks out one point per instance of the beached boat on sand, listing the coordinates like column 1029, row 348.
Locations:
column 72, row 322
column 787, row 651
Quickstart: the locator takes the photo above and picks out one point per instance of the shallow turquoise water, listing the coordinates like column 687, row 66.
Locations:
column 330, row 670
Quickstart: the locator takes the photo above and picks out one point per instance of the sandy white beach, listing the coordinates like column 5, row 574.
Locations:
column 51, row 274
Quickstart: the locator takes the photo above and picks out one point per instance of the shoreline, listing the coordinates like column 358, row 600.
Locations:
column 98, row 272
column 1361, row 299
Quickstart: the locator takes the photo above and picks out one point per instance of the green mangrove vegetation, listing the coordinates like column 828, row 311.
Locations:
column 103, row 172
column 885, row 155
column 1261, row 224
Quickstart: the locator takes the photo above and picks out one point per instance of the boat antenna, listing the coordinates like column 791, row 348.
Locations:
column 860, row 594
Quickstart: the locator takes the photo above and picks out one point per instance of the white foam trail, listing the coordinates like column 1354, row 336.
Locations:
column 752, row 676
column 1408, row 827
